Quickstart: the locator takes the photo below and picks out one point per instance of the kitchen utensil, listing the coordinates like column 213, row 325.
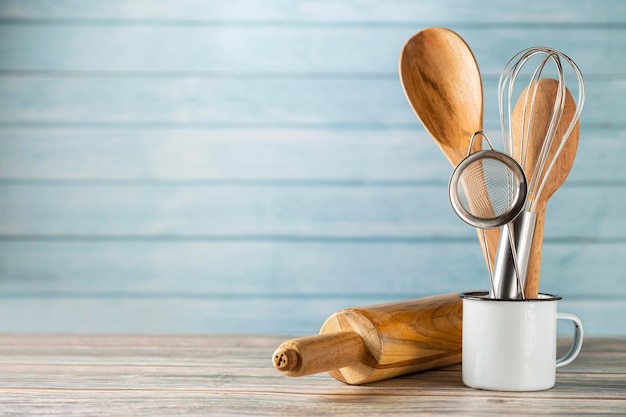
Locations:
column 441, row 81
column 505, row 183
column 561, row 166
column 511, row 345
column 366, row 344
column 543, row 138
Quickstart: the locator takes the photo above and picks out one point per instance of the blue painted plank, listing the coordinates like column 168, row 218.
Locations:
column 296, row 51
column 302, row 11
column 152, row 84
column 252, row 155
column 259, row 103
column 255, row 156
column 220, row 268
column 173, row 316
column 162, row 268
column 228, row 210
column 293, row 317
column 328, row 211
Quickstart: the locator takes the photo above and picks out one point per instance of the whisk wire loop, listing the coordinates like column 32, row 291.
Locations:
column 536, row 147
column 552, row 146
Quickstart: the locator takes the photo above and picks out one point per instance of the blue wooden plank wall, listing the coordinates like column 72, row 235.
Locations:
column 253, row 166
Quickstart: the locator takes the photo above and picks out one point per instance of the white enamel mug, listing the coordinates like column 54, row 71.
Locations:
column 510, row 345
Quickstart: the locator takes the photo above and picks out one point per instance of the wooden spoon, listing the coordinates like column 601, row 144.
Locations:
column 442, row 82
column 541, row 113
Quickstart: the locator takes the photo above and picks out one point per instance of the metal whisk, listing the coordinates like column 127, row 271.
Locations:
column 514, row 253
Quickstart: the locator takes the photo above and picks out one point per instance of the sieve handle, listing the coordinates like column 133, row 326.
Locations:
column 504, row 276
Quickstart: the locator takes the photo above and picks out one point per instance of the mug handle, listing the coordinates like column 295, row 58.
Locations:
column 577, row 344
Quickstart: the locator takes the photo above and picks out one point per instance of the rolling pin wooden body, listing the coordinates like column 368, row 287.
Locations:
column 372, row 343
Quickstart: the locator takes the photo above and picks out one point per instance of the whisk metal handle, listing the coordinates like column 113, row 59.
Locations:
column 505, row 280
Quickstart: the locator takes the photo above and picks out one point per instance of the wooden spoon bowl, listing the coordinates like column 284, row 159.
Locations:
column 442, row 83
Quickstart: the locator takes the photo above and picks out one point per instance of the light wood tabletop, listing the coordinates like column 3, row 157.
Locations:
column 231, row 375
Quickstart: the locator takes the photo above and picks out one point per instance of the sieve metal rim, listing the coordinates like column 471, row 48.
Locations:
column 520, row 196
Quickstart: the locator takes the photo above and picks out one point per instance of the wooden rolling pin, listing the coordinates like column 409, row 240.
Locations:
column 366, row 344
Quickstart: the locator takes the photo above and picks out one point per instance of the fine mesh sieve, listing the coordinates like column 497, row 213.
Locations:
column 504, row 182
column 487, row 190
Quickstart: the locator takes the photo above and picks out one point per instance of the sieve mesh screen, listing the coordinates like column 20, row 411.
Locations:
column 499, row 182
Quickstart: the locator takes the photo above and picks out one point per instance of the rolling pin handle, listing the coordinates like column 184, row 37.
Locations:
column 286, row 359
column 321, row 353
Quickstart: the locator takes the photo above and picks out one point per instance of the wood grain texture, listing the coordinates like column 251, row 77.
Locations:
column 400, row 337
column 332, row 269
column 233, row 375
column 357, row 156
column 372, row 343
column 459, row 12
column 161, row 163
column 319, row 353
column 323, row 210
column 212, row 103
column 442, row 82
column 294, row 49
column 192, row 313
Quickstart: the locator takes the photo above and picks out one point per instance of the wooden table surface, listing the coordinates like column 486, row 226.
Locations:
column 233, row 375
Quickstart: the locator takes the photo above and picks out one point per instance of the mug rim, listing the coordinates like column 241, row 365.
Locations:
column 483, row 295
